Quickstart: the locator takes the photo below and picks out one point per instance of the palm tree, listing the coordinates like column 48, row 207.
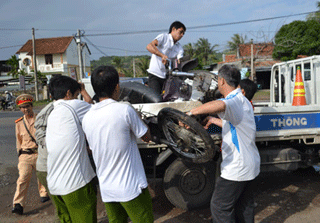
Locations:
column 13, row 62
column 315, row 15
column 188, row 50
column 235, row 41
column 203, row 49
column 143, row 65
column 118, row 63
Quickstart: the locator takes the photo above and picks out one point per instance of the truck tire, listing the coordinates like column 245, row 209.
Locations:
column 136, row 93
column 193, row 143
column 188, row 185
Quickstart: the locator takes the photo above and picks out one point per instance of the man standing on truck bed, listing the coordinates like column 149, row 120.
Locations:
column 232, row 200
column 164, row 46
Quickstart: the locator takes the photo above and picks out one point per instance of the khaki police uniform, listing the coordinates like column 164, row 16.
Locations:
column 27, row 150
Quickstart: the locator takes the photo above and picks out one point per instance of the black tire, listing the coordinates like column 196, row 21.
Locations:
column 194, row 143
column 136, row 93
column 188, row 185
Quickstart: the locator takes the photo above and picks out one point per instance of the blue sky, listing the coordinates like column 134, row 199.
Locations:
column 63, row 18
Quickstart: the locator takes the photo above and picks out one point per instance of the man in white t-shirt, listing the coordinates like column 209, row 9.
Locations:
column 232, row 200
column 69, row 171
column 164, row 46
column 112, row 129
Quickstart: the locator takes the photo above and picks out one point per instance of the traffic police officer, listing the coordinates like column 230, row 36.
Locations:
column 27, row 150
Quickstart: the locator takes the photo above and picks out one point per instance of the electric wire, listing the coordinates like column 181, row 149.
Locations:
column 95, row 46
column 199, row 27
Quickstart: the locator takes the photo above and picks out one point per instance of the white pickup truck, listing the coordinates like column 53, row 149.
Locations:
column 188, row 160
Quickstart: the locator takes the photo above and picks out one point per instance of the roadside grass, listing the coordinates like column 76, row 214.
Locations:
column 41, row 103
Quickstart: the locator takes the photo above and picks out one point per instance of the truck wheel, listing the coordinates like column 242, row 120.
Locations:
column 189, row 185
column 192, row 143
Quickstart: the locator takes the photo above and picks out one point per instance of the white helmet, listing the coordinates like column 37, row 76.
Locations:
column 6, row 92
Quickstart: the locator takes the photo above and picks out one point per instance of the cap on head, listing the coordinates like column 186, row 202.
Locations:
column 6, row 92
column 23, row 99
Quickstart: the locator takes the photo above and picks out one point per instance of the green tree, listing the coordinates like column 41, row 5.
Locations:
column 128, row 72
column 13, row 62
column 203, row 49
column 297, row 38
column 189, row 50
column 236, row 40
column 118, row 64
column 142, row 66
column 41, row 77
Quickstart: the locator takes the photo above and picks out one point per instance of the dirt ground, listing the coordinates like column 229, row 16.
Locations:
column 280, row 197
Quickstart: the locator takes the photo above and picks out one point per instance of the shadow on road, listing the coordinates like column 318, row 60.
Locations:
column 283, row 194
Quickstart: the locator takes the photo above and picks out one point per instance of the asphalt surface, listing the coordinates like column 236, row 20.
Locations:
column 7, row 138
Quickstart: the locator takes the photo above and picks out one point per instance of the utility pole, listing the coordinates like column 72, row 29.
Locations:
column 35, row 65
column 79, row 54
column 84, row 64
column 134, row 67
column 251, row 76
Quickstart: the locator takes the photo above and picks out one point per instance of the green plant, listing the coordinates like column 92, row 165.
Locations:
column 13, row 62
column 297, row 38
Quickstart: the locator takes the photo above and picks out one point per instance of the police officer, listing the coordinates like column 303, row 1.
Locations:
column 27, row 150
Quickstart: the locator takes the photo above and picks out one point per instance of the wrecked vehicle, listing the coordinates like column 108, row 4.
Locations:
column 188, row 160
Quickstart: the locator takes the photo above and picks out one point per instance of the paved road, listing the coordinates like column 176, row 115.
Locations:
column 7, row 139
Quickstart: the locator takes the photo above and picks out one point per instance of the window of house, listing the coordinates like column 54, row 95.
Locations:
column 26, row 61
column 48, row 58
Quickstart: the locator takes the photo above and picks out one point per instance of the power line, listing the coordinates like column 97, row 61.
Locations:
column 226, row 31
column 200, row 27
column 163, row 30
column 95, row 46
column 128, row 33
column 72, row 30
column 249, row 21
column 10, row 46
column 112, row 48
column 13, row 29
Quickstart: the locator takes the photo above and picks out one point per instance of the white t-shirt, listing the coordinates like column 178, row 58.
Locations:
column 69, row 167
column 111, row 129
column 240, row 156
column 167, row 47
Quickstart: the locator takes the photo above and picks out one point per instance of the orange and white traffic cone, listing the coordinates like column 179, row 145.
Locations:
column 299, row 94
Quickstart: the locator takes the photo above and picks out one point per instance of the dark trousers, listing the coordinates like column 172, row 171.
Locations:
column 232, row 201
column 3, row 104
column 156, row 83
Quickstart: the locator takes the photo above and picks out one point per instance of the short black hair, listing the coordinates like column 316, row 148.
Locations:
column 231, row 74
column 60, row 84
column 177, row 25
column 104, row 80
column 249, row 87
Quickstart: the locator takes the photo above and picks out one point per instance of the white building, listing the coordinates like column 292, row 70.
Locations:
column 58, row 55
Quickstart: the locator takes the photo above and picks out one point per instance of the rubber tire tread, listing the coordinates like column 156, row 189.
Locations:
column 138, row 93
column 176, row 195
column 211, row 148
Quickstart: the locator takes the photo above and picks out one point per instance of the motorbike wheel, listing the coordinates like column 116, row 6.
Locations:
column 189, row 185
column 186, row 137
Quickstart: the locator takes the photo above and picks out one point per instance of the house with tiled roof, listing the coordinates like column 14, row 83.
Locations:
column 263, row 61
column 58, row 55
